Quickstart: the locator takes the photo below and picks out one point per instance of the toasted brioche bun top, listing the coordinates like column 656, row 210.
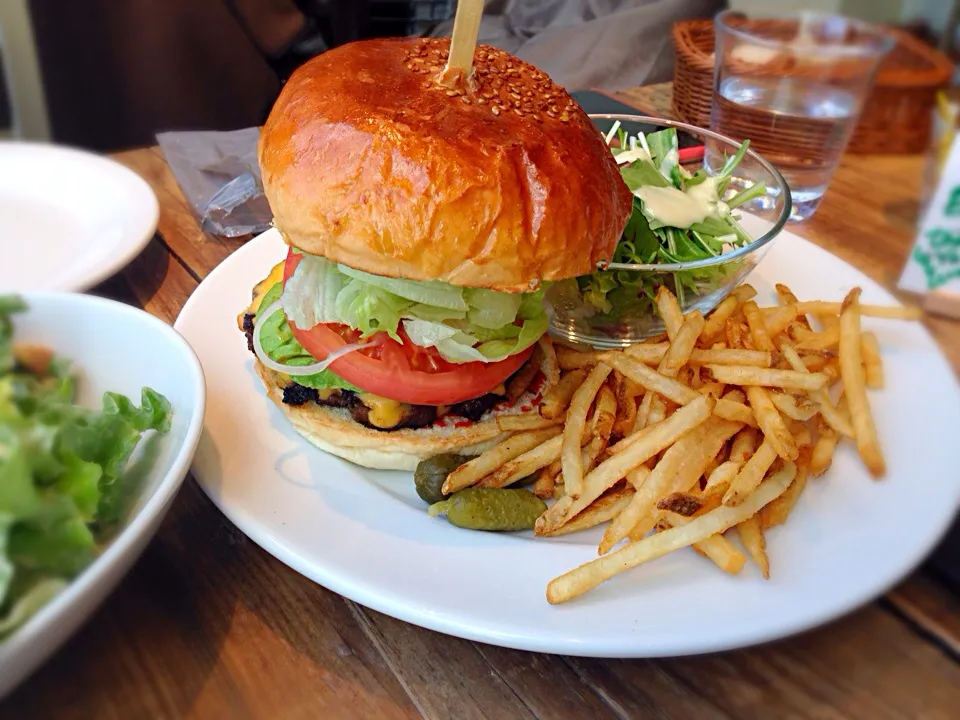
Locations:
column 500, row 181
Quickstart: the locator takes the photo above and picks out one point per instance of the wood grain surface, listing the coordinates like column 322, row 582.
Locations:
column 207, row 625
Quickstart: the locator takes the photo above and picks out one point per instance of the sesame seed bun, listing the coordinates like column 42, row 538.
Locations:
column 501, row 181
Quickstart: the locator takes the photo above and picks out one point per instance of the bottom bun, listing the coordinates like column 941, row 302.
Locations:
column 336, row 432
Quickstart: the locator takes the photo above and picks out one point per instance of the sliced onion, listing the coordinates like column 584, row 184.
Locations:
column 296, row 370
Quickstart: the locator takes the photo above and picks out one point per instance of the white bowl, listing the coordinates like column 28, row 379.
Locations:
column 119, row 348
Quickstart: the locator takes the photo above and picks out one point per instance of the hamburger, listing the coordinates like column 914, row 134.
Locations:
column 424, row 216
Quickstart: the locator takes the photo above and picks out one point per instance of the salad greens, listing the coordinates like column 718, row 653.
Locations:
column 677, row 217
column 463, row 324
column 62, row 471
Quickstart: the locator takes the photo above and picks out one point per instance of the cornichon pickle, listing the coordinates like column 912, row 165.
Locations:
column 430, row 474
column 491, row 509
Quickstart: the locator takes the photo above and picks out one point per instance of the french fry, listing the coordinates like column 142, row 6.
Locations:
column 716, row 548
column 719, row 480
column 575, row 426
column 716, row 323
column 891, row 312
column 751, row 535
column 650, row 379
column 604, row 508
column 801, row 434
column 734, row 411
column 679, row 468
column 744, row 445
column 627, row 392
column 770, row 422
column 712, row 388
column 776, row 513
column 570, row 359
column 758, row 329
column 576, row 582
column 658, row 411
column 518, row 384
column 524, row 465
column 872, row 362
column 836, row 420
column 669, row 311
column 767, row 377
column 682, row 345
column 825, row 340
column 823, row 449
column 779, row 319
column 681, row 503
column 854, row 388
column 648, row 354
column 751, row 474
column 610, row 471
column 556, row 401
column 754, row 358
column 787, row 298
column 545, row 483
column 474, row 470
column 526, row 421
column 604, row 414
column 744, row 292
column 738, row 334
column 797, row 408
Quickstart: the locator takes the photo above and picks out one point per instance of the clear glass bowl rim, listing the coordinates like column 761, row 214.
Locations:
column 880, row 41
column 764, row 239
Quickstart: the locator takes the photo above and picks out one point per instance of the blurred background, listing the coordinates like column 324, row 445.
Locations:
column 109, row 75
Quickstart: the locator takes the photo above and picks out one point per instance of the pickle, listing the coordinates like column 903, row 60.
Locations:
column 494, row 509
column 430, row 474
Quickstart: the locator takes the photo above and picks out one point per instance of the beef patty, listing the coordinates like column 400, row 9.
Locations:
column 411, row 416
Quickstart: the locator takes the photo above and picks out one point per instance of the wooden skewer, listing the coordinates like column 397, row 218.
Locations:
column 466, row 28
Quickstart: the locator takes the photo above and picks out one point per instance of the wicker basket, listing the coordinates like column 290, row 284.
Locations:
column 896, row 117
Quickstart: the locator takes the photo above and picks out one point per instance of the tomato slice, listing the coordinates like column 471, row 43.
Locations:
column 402, row 371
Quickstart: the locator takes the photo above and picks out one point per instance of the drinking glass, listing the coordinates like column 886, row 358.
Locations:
column 794, row 85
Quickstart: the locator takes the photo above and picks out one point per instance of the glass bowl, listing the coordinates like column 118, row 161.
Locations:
column 698, row 285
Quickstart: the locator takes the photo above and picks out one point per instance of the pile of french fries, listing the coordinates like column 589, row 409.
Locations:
column 713, row 427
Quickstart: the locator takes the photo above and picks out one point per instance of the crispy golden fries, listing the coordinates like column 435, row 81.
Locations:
column 767, row 377
column 579, row 580
column 771, row 423
column 751, row 475
column 716, row 424
column 751, row 535
column 555, row 402
column 681, row 466
column 854, row 386
column 524, row 465
column 526, row 421
column 670, row 311
column 472, row 472
column 575, row 426
column 872, row 363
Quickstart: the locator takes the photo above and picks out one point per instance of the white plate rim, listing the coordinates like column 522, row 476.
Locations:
column 149, row 207
column 365, row 592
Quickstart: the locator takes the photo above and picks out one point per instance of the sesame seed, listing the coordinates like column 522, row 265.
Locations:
column 495, row 110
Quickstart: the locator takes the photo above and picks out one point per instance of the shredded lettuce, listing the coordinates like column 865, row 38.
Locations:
column 464, row 324
column 64, row 480
column 280, row 345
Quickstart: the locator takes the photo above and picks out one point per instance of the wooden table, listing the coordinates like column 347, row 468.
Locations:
column 208, row 625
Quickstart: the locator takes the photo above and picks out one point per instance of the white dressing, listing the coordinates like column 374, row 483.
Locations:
column 675, row 208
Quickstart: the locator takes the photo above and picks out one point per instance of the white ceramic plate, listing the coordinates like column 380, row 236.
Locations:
column 68, row 218
column 365, row 535
column 119, row 348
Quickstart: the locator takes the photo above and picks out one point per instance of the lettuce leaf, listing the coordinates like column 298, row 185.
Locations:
column 280, row 345
column 63, row 472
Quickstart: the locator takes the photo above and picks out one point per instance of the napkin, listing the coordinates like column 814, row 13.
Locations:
column 220, row 177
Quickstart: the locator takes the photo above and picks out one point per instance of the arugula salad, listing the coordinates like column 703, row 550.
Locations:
column 63, row 479
column 678, row 217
